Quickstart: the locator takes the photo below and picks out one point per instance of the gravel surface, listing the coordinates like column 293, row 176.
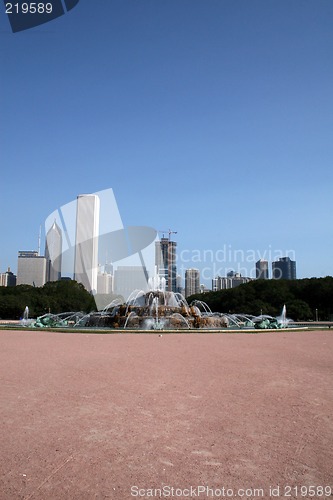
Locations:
column 93, row 416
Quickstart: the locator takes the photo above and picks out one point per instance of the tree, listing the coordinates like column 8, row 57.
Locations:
column 56, row 297
column 301, row 297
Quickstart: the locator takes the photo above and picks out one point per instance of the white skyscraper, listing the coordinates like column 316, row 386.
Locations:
column 31, row 268
column 86, row 241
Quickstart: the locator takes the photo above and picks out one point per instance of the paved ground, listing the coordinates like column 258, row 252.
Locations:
column 100, row 416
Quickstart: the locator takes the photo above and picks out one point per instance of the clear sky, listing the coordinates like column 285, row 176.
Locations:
column 210, row 117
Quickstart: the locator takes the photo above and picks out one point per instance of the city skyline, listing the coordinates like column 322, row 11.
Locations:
column 222, row 262
column 92, row 240
column 80, row 222
column 231, row 105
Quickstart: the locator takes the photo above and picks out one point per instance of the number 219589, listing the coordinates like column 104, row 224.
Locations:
column 28, row 8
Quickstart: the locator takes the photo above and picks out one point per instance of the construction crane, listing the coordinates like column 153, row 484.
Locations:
column 169, row 232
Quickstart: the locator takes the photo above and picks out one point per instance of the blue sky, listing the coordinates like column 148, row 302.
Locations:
column 210, row 117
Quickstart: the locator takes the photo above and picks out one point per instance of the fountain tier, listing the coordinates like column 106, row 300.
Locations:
column 156, row 310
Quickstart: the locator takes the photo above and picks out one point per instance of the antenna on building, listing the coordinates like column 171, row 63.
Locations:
column 39, row 238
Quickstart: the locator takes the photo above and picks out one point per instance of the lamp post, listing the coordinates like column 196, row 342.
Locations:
column 316, row 314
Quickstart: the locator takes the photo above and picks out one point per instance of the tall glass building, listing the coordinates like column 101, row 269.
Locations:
column 262, row 269
column 53, row 253
column 284, row 269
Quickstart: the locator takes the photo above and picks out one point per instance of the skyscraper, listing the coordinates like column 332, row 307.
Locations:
column 262, row 269
column 284, row 268
column 7, row 278
column 31, row 268
column 165, row 261
column 53, row 252
column 192, row 282
column 86, row 241
column 104, row 283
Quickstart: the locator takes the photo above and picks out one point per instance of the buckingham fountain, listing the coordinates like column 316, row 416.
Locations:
column 159, row 309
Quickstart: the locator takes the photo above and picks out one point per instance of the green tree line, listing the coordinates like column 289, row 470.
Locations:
column 54, row 297
column 305, row 299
